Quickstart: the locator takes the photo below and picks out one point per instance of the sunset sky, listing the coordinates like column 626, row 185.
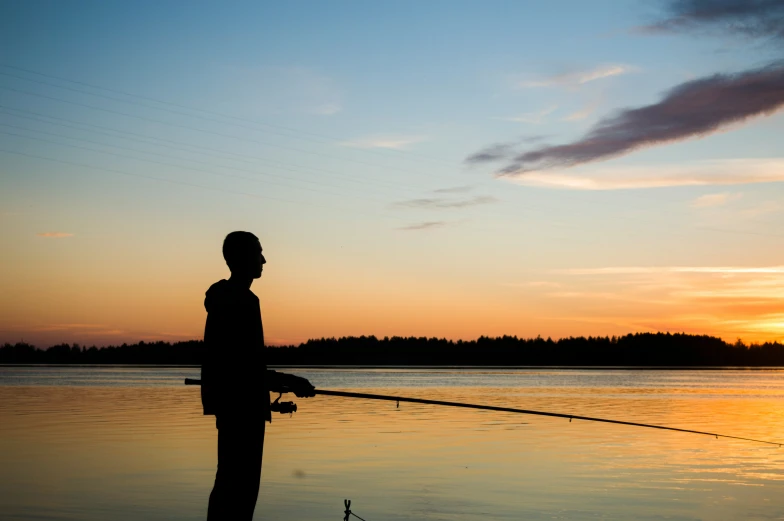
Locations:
column 449, row 169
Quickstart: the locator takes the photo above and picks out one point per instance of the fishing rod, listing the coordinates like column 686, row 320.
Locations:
column 290, row 407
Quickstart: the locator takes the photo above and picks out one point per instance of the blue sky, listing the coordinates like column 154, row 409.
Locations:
column 141, row 133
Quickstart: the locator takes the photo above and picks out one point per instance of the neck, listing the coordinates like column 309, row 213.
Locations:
column 241, row 280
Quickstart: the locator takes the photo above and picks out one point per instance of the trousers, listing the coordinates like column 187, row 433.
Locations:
column 236, row 489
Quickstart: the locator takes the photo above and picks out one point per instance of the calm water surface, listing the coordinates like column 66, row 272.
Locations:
column 131, row 443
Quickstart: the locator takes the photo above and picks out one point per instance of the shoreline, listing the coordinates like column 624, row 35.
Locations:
column 440, row 367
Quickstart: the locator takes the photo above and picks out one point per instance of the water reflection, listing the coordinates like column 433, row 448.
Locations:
column 131, row 443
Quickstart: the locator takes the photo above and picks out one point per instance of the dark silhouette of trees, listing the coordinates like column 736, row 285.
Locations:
column 639, row 349
column 143, row 353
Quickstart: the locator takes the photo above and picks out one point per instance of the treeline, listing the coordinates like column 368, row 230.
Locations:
column 640, row 349
column 143, row 353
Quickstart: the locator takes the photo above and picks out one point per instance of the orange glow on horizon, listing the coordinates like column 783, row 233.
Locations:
column 104, row 297
column 735, row 306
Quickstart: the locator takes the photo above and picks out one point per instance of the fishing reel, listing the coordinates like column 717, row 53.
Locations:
column 283, row 407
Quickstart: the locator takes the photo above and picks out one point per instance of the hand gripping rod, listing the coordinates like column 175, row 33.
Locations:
column 570, row 417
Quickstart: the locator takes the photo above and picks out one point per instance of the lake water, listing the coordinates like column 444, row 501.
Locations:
column 115, row 443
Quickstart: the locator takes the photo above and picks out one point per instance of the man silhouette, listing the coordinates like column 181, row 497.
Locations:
column 235, row 380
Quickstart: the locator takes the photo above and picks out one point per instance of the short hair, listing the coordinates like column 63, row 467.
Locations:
column 238, row 247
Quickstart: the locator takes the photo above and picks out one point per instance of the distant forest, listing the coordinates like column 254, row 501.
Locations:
column 640, row 349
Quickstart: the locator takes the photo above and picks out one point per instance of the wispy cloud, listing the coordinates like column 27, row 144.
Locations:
column 593, row 295
column 637, row 270
column 696, row 173
column 576, row 78
column 275, row 89
column 55, row 235
column 317, row 93
column 711, row 200
column 68, row 327
column 534, row 284
column 582, row 113
column 763, row 208
column 492, row 153
column 84, row 330
column 442, row 203
column 328, row 109
column 388, row 142
column 427, row 225
column 501, row 151
column 453, row 190
column 533, row 118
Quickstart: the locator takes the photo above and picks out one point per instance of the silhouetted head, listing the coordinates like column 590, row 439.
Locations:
column 242, row 251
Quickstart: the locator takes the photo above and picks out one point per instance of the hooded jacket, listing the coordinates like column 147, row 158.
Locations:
column 234, row 368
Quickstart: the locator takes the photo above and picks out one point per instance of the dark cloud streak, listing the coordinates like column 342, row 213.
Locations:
column 752, row 18
column 501, row 151
column 439, row 203
column 423, row 226
column 453, row 190
column 492, row 153
column 692, row 109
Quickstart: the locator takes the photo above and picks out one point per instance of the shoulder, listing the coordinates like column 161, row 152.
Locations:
column 219, row 287
column 219, row 296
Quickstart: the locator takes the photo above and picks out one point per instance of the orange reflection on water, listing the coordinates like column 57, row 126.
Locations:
column 131, row 453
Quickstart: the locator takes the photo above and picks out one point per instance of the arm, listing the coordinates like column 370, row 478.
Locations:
column 283, row 382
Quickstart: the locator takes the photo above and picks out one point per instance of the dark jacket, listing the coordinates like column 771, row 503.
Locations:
column 234, row 367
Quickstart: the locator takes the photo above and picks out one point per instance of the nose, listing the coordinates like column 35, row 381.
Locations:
column 263, row 260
